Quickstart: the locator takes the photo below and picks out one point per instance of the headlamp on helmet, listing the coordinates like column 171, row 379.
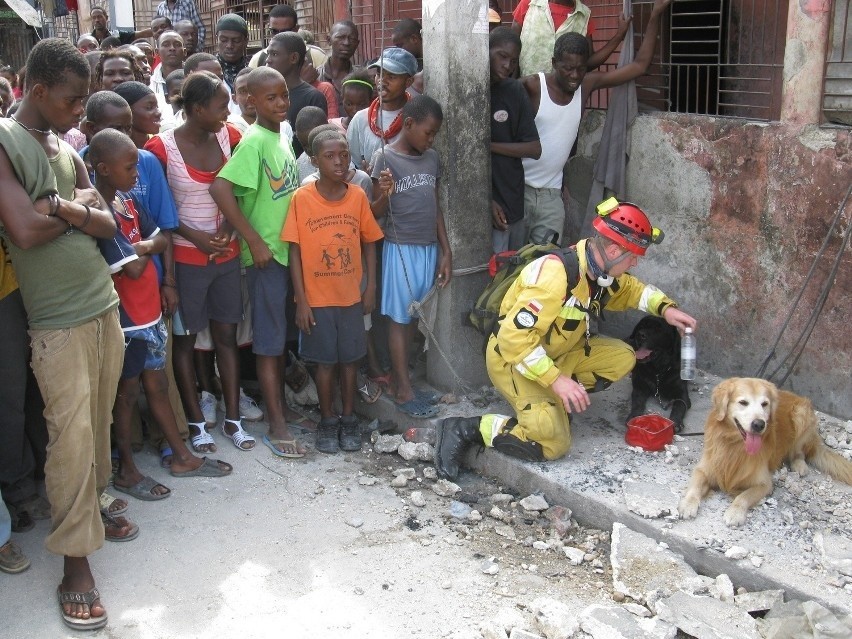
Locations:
column 626, row 225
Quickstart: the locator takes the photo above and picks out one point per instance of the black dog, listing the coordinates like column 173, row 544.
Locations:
column 657, row 371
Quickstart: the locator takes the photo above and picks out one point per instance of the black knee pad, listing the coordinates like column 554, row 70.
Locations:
column 514, row 447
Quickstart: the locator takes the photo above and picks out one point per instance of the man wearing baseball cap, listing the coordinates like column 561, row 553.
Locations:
column 382, row 120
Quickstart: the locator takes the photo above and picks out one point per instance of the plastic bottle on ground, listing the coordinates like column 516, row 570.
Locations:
column 418, row 434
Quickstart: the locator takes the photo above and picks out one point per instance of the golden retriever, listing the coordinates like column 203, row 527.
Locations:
column 751, row 429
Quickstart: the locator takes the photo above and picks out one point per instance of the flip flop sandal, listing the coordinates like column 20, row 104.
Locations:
column 427, row 396
column 166, row 452
column 143, row 490
column 369, row 390
column 210, row 468
column 87, row 598
column 107, row 501
column 203, row 438
column 119, row 523
column 272, row 444
column 239, row 436
column 418, row 408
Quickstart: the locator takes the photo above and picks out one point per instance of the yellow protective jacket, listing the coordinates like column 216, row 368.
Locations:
column 538, row 323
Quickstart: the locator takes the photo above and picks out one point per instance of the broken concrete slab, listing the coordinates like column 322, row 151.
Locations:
column 835, row 551
column 759, row 601
column 615, row 622
column 649, row 499
column 554, row 618
column 517, row 633
column 816, row 622
column 706, row 617
column 640, row 565
column 723, row 588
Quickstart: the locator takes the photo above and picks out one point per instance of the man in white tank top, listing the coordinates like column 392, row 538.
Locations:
column 557, row 100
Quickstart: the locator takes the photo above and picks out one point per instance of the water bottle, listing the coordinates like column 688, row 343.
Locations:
column 687, row 355
column 418, row 434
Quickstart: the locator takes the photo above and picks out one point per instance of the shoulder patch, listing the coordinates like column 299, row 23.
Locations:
column 525, row 319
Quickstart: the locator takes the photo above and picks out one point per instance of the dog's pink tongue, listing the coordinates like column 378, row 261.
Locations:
column 753, row 443
column 643, row 353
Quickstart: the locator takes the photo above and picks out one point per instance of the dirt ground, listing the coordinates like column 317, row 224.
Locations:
column 322, row 547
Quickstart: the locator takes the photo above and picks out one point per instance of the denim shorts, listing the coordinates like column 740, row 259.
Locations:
column 144, row 350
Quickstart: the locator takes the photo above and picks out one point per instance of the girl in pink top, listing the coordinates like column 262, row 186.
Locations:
column 207, row 268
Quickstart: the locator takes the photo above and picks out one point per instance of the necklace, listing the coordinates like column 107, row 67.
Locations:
column 373, row 118
column 31, row 129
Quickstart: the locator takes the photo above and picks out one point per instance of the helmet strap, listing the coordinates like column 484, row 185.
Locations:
column 602, row 273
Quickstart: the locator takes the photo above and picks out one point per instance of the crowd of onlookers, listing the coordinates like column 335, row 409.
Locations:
column 167, row 210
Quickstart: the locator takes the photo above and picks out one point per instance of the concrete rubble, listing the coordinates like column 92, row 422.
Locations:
column 657, row 592
column 649, row 499
column 807, row 620
column 554, row 619
column 706, row 617
column 615, row 622
column 642, row 568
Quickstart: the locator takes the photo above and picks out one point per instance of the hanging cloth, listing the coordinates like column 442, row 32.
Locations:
column 610, row 170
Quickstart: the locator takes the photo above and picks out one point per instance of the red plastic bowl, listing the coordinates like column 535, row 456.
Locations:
column 649, row 432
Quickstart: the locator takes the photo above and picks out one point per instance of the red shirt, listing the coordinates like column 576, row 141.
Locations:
column 559, row 12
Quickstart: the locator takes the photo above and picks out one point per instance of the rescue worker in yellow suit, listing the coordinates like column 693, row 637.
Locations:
column 542, row 357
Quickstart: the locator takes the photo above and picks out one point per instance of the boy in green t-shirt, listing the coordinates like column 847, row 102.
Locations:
column 253, row 192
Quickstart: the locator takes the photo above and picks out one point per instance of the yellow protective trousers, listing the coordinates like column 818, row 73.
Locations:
column 541, row 416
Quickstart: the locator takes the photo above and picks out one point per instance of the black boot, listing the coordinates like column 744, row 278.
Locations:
column 454, row 436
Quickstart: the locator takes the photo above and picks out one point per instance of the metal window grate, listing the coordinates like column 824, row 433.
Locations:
column 367, row 14
column 714, row 57
column 837, row 93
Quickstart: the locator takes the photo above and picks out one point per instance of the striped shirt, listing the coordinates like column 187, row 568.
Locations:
column 190, row 188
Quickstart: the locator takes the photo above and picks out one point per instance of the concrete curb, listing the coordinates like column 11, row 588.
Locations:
column 791, row 562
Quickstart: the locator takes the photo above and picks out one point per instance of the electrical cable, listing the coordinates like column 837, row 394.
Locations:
column 799, row 345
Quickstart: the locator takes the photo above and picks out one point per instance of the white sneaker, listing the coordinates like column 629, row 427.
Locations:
column 249, row 410
column 208, row 407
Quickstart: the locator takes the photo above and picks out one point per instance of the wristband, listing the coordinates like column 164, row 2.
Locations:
column 88, row 217
column 53, row 198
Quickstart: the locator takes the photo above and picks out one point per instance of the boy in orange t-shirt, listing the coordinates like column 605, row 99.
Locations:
column 328, row 226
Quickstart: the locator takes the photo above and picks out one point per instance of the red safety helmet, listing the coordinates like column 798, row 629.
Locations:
column 626, row 225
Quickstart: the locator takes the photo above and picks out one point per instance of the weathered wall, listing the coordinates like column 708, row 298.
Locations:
column 746, row 207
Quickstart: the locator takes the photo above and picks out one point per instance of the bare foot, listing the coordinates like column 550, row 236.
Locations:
column 78, row 578
column 185, row 463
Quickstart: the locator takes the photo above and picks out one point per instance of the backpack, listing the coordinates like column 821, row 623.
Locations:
column 505, row 268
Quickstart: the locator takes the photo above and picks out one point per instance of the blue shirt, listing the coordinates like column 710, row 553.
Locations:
column 151, row 195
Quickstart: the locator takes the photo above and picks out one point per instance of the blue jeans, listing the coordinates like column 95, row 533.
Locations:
column 5, row 523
